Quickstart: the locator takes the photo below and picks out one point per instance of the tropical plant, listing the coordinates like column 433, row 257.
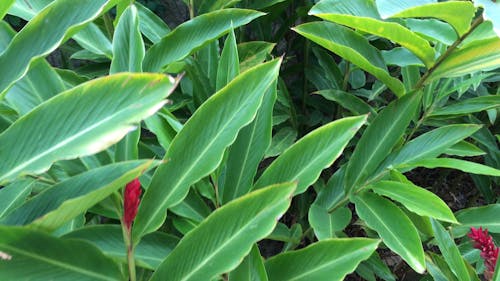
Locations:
column 274, row 140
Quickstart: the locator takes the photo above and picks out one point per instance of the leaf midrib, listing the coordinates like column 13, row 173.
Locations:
column 191, row 167
column 58, row 263
column 380, row 143
column 74, row 137
column 367, row 206
column 269, row 208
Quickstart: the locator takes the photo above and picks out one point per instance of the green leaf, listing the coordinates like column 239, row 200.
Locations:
column 128, row 53
column 485, row 216
column 415, row 199
column 468, row 106
column 450, row 251
column 229, row 64
column 393, row 226
column 152, row 26
column 211, row 248
column 253, row 53
column 4, row 7
column 464, row 149
column 49, row 257
column 149, row 253
column 433, row 30
column 451, row 163
column 40, row 83
column 14, row 194
column 209, row 131
column 379, row 139
column 193, row 34
column 128, row 47
column 282, row 140
column 58, row 204
column 326, row 260
column 93, row 39
column 363, row 16
column 349, row 101
column 57, row 22
column 352, row 47
column 304, row 161
column 251, row 269
column 325, row 224
column 81, row 121
column 388, row 8
column 480, row 55
column 245, row 154
column 430, row 144
column 457, row 13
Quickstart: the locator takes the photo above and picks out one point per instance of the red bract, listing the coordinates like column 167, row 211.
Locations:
column 489, row 252
column 131, row 202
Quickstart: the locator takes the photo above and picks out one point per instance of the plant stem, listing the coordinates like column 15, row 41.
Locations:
column 191, row 9
column 127, row 237
column 108, row 24
column 446, row 54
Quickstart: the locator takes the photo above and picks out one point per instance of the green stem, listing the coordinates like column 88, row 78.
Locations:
column 347, row 73
column 191, row 9
column 448, row 52
column 127, row 235
column 108, row 24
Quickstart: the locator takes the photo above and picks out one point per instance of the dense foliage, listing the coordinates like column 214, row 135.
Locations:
column 249, row 140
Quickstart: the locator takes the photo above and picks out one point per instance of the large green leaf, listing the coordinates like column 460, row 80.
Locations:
column 40, row 83
column 151, row 25
column 198, row 148
column 128, row 47
column 477, row 56
column 430, row 144
column 327, row 260
column 247, row 151
column 484, row 216
column 4, row 7
column 452, row 163
column 149, row 253
column 58, row 204
column 394, row 227
column 251, row 268
column 81, row 121
column 14, row 195
column 57, row 22
column 304, row 161
column 469, row 106
column 38, row 256
column 450, row 251
column 193, row 34
column 253, row 53
column 229, row 63
column 457, row 13
column 415, row 199
column 353, row 47
column 349, row 101
column 379, row 139
column 362, row 15
column 128, row 53
column 388, row 8
column 213, row 248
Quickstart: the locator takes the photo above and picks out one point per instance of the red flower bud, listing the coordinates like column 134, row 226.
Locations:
column 489, row 252
column 131, row 202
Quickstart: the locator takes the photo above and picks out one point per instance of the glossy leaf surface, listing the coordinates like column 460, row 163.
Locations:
column 236, row 105
column 117, row 102
column 212, row 249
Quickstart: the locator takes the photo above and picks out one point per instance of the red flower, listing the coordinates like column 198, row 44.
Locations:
column 489, row 252
column 131, row 203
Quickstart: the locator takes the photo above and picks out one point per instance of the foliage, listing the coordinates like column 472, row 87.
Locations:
column 290, row 146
